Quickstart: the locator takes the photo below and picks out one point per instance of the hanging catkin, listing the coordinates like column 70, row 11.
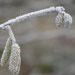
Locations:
column 6, row 52
column 15, row 59
column 59, row 20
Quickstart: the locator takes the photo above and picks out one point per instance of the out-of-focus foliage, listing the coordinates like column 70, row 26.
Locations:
column 73, row 1
column 17, row 2
column 1, row 51
column 45, row 68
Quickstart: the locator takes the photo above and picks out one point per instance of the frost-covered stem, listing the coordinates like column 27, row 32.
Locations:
column 11, row 34
column 29, row 15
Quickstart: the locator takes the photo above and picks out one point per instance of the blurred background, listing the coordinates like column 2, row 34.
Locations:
column 45, row 50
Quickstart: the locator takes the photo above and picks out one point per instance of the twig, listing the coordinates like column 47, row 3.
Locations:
column 30, row 15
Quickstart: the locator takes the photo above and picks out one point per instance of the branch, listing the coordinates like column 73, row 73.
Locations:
column 30, row 15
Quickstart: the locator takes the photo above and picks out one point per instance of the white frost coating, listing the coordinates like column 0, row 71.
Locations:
column 59, row 9
column 11, row 34
column 32, row 14
column 29, row 15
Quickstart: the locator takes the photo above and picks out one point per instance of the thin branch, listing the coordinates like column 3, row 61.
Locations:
column 30, row 15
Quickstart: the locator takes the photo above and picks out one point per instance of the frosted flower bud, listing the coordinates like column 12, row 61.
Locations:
column 15, row 59
column 6, row 52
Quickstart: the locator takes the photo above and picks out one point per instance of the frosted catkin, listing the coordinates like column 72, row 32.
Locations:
column 59, row 20
column 15, row 59
column 64, row 19
column 6, row 52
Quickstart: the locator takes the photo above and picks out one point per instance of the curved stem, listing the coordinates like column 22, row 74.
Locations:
column 11, row 34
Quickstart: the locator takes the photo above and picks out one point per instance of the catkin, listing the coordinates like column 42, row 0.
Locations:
column 59, row 20
column 6, row 52
column 15, row 59
column 64, row 19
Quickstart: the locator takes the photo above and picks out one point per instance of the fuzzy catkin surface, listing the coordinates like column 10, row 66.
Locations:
column 6, row 52
column 15, row 59
column 59, row 19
